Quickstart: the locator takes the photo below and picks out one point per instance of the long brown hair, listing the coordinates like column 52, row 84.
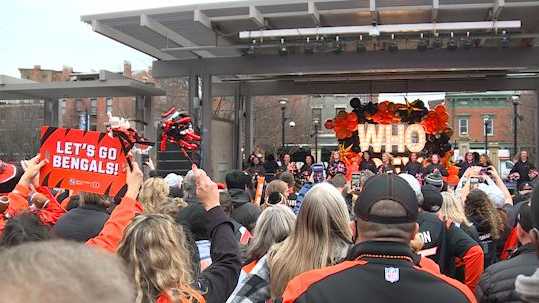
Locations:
column 155, row 252
column 477, row 204
column 320, row 238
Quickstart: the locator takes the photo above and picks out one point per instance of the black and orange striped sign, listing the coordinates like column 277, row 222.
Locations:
column 81, row 160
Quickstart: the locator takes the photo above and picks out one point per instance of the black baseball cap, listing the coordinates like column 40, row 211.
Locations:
column 432, row 198
column 525, row 217
column 387, row 187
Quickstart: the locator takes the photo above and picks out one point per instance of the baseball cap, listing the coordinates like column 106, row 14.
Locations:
column 432, row 198
column 387, row 187
column 525, row 217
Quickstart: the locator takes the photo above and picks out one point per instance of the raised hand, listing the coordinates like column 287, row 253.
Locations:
column 207, row 191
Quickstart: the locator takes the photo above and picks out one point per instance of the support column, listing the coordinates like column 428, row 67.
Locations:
column 206, row 124
column 51, row 112
column 150, row 124
column 536, row 155
column 237, row 128
column 194, row 100
column 249, row 124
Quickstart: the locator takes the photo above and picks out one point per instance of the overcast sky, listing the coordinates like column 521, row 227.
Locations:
column 49, row 33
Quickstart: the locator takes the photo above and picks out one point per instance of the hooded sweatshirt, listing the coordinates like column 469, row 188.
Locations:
column 243, row 211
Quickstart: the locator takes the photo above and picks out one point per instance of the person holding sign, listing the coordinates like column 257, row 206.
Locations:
column 112, row 232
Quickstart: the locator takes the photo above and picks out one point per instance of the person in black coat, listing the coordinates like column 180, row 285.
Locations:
column 243, row 210
column 367, row 163
column 413, row 167
column 497, row 283
column 435, row 166
column 84, row 222
column 522, row 167
column 468, row 162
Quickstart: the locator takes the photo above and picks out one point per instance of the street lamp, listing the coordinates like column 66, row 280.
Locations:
column 283, row 103
column 316, row 123
column 486, row 134
column 516, row 102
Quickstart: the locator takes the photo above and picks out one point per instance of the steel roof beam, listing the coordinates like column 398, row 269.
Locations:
column 277, row 88
column 435, row 8
column 166, row 32
column 374, row 12
column 517, row 59
column 256, row 16
column 130, row 41
column 497, row 9
column 312, row 11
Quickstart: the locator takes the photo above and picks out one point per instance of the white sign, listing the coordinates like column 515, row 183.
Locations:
column 411, row 137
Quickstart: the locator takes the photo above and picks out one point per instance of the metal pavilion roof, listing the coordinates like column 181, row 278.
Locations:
column 212, row 30
column 107, row 84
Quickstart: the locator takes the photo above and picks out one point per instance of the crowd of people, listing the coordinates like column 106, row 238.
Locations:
column 396, row 233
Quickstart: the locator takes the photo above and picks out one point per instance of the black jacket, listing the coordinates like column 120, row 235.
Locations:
column 523, row 169
column 379, row 272
column 368, row 165
column 497, row 283
column 413, row 168
column 488, row 244
column 243, row 211
column 81, row 224
column 464, row 165
column 446, row 243
column 432, row 167
column 219, row 280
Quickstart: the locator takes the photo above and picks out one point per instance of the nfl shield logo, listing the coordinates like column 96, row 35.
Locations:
column 392, row 274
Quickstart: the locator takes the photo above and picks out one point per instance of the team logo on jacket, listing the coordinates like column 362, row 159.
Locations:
column 392, row 274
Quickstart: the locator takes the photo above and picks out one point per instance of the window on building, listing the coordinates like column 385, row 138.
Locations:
column 488, row 126
column 109, row 105
column 339, row 109
column 78, row 105
column 93, row 106
column 62, row 107
column 316, row 113
column 463, row 126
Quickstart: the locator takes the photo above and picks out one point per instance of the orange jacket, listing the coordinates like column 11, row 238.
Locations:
column 18, row 201
column 110, row 236
column 108, row 239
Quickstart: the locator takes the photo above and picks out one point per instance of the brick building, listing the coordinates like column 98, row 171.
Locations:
column 474, row 115
column 303, row 110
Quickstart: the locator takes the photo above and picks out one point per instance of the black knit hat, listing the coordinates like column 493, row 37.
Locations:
column 435, row 179
column 432, row 199
column 387, row 187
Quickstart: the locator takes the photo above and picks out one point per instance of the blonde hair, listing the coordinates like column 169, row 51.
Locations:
column 277, row 186
column 452, row 209
column 155, row 251
column 154, row 191
column 320, row 238
column 33, row 270
column 273, row 226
